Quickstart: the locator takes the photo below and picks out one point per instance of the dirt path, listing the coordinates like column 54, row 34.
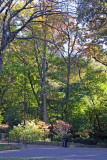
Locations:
column 70, row 153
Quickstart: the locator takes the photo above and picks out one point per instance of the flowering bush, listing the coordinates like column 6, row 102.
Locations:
column 32, row 131
column 61, row 128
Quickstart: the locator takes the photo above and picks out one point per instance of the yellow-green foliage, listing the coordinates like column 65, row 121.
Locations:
column 32, row 131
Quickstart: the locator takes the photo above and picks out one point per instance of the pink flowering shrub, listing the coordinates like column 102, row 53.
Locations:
column 61, row 128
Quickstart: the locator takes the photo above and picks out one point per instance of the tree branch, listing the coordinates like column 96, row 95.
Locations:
column 104, row 63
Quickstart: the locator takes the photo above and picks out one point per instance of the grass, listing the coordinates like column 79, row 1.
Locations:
column 26, row 159
column 47, row 143
column 8, row 146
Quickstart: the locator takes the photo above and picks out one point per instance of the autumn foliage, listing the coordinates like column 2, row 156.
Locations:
column 61, row 128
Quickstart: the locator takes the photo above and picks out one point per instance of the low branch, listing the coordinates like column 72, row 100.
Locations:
column 104, row 63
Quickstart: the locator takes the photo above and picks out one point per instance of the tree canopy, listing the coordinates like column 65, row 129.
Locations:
column 53, row 63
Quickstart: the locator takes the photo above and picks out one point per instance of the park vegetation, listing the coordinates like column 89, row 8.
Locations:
column 53, row 69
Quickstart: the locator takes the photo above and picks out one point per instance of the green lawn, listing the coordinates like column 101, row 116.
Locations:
column 8, row 146
column 26, row 159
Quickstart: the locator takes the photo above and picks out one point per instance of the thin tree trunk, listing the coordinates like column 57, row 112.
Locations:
column 1, row 61
column 97, row 117
column 24, row 92
column 67, row 92
column 39, row 104
column 45, row 108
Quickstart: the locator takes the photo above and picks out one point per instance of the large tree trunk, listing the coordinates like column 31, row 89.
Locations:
column 44, row 78
column 68, row 77
column 42, row 73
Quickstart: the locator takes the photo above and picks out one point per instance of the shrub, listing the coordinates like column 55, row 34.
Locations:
column 61, row 128
column 15, row 134
column 43, row 126
column 32, row 131
column 57, row 138
column 84, row 133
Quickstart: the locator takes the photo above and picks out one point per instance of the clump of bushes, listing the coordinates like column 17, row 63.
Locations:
column 84, row 137
column 89, row 141
column 32, row 131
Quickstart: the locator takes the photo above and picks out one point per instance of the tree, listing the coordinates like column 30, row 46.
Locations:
column 96, row 97
column 70, row 47
column 93, row 16
column 40, row 51
column 14, row 19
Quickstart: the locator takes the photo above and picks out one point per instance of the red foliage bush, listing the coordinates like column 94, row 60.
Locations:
column 61, row 128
